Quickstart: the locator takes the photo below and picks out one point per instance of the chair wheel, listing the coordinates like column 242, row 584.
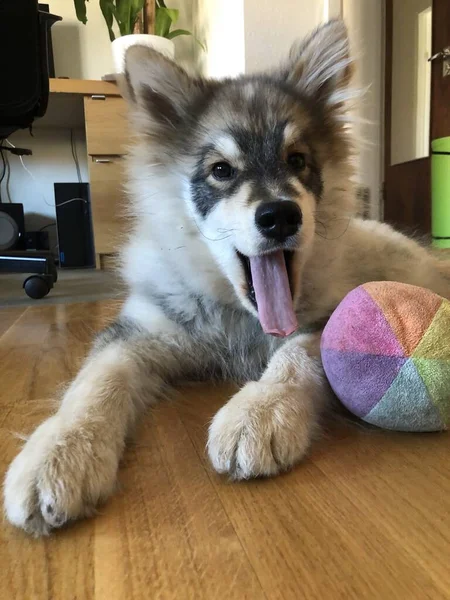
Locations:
column 36, row 287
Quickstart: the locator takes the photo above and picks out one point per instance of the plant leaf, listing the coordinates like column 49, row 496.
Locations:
column 108, row 9
column 177, row 32
column 136, row 7
column 122, row 15
column 163, row 22
column 80, row 9
column 173, row 13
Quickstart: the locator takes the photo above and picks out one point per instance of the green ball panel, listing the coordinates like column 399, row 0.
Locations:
column 435, row 342
column 436, row 376
column 406, row 406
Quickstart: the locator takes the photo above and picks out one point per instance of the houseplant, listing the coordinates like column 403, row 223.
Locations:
column 125, row 15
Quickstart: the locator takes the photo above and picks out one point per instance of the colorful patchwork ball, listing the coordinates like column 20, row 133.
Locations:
column 386, row 353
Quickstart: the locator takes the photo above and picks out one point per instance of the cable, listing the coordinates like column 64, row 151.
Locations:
column 45, row 199
column 36, row 181
column 80, row 179
column 8, row 179
column 75, row 156
column 4, row 165
column 4, row 170
column 72, row 200
column 49, row 225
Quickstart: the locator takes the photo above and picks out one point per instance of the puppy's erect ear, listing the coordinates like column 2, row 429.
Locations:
column 158, row 90
column 320, row 66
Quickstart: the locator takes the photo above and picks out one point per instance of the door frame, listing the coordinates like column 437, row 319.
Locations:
column 416, row 214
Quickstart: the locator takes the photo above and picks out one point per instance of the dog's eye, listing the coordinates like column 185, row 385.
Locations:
column 223, row 171
column 297, row 161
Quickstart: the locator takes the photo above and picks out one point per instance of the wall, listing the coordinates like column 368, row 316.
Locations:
column 80, row 52
column 245, row 36
column 365, row 20
column 83, row 51
column 219, row 24
column 272, row 27
column 242, row 36
column 51, row 162
column 404, row 78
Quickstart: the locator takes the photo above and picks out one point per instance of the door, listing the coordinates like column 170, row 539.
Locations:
column 417, row 106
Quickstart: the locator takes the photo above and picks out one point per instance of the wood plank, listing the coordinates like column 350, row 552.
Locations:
column 169, row 513
column 309, row 536
column 107, row 132
column 85, row 87
column 366, row 516
column 402, row 485
column 8, row 316
column 165, row 535
column 101, row 312
column 408, row 207
column 107, row 203
column 109, row 262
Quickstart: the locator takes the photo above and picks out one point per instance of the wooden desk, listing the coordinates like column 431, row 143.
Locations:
column 85, row 87
column 98, row 108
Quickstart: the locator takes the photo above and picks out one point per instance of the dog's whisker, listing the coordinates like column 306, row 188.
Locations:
column 208, row 238
column 325, row 237
column 221, row 230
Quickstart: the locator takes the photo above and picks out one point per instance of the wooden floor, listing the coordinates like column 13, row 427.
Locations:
column 367, row 516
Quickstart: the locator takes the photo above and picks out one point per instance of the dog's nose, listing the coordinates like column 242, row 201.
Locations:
column 278, row 220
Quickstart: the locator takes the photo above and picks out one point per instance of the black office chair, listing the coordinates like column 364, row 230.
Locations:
column 24, row 91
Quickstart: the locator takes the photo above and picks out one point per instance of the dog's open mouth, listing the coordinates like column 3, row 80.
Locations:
column 270, row 289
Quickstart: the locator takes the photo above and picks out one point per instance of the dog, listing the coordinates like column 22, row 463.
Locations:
column 243, row 241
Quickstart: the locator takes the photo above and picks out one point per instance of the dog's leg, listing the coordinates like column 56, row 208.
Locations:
column 268, row 425
column 69, row 463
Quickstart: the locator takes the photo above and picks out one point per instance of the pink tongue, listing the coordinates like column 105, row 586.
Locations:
column 273, row 295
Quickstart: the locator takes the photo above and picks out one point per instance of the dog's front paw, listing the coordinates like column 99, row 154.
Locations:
column 60, row 475
column 262, row 430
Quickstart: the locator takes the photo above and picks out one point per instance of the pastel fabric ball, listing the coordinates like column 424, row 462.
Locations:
column 386, row 353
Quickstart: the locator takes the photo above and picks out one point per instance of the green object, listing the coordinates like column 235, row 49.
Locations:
column 440, row 192
column 126, row 13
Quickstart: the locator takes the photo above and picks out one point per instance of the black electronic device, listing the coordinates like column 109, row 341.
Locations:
column 12, row 226
column 74, row 226
column 50, row 60
column 37, row 240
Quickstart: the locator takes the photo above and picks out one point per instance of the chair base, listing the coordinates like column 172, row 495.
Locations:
column 40, row 264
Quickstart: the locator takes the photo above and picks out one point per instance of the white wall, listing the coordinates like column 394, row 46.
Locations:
column 219, row 24
column 80, row 52
column 404, row 78
column 83, row 51
column 242, row 36
column 272, row 27
column 365, row 20
column 51, row 162
column 246, row 36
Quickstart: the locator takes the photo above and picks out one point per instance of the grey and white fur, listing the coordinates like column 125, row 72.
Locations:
column 188, row 313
